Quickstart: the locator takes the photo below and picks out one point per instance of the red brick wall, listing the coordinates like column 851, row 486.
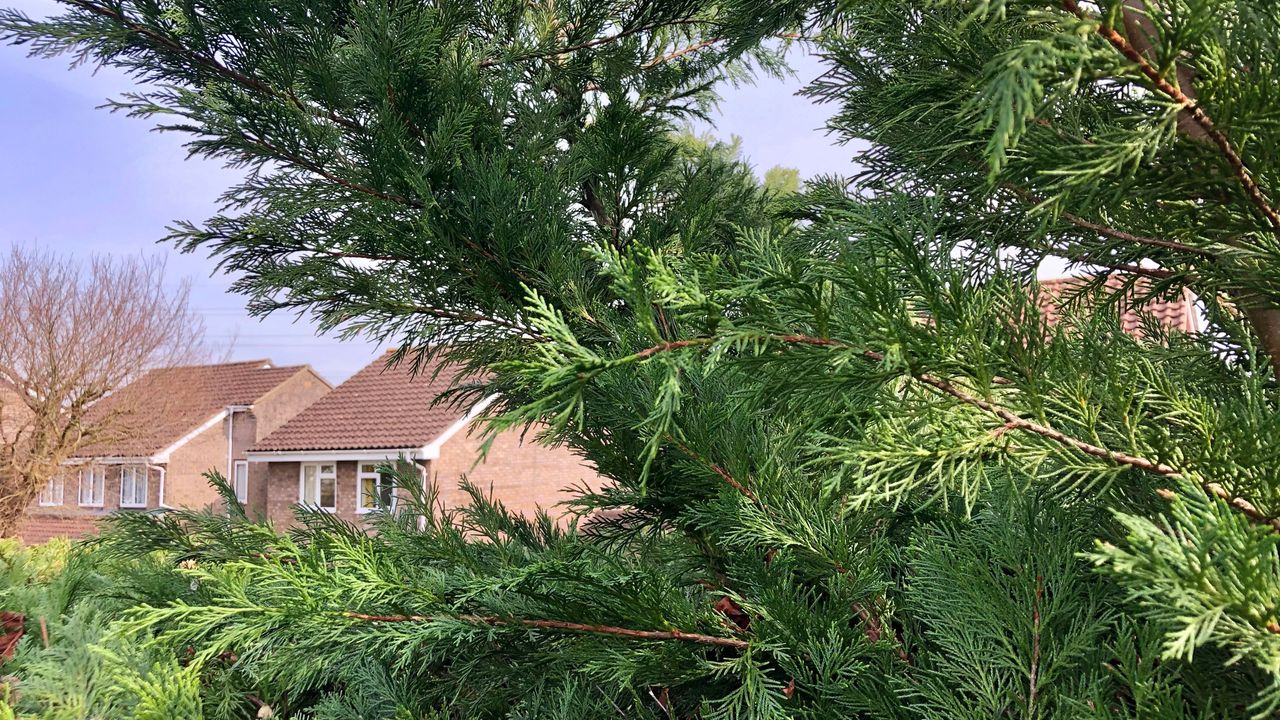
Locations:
column 270, row 412
column 42, row 528
column 70, row 519
column 522, row 474
column 287, row 400
column 282, row 491
column 282, row 494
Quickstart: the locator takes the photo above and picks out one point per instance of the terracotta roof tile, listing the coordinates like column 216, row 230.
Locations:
column 166, row 404
column 378, row 408
column 1178, row 314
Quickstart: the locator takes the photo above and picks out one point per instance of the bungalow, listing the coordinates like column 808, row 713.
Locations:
column 176, row 424
column 329, row 455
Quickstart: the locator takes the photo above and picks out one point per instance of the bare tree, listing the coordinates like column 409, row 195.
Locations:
column 71, row 333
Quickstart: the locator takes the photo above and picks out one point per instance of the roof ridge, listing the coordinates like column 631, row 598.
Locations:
column 234, row 363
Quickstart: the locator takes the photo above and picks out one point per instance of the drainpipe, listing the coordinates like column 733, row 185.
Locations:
column 161, row 468
column 231, row 438
column 231, row 435
column 424, row 469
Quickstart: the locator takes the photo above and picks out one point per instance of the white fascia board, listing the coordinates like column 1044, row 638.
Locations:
column 333, row 455
column 112, row 460
column 163, row 455
column 431, row 450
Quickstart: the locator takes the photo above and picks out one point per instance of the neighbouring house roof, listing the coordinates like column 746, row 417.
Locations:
column 1178, row 313
column 379, row 408
column 166, row 405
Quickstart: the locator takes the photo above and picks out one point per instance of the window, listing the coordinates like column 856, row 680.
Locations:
column 51, row 493
column 376, row 489
column 318, row 486
column 93, row 480
column 133, row 486
column 240, row 480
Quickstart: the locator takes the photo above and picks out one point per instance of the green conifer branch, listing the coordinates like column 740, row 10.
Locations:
column 560, row 625
column 1189, row 106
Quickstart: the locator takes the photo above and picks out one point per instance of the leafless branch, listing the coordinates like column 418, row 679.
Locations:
column 71, row 335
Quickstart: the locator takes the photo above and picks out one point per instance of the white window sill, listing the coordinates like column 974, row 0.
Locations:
column 131, row 506
column 91, row 505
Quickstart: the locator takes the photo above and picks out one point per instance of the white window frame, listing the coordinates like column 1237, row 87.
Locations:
column 53, row 493
column 97, row 478
column 135, row 473
column 314, row 503
column 378, row 479
column 242, row 494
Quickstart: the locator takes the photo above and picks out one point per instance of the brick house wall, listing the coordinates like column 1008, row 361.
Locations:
column 269, row 413
column 283, row 493
column 185, row 484
column 203, row 454
column 523, row 475
column 71, row 519
column 287, row 399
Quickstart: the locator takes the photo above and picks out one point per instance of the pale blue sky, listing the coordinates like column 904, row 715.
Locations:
column 81, row 180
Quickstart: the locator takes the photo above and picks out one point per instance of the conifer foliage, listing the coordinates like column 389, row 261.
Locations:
column 854, row 472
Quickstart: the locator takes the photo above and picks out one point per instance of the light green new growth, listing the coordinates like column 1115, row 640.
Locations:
column 854, row 471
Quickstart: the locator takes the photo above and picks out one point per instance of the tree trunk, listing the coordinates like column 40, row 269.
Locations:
column 1265, row 320
column 16, row 495
column 1261, row 313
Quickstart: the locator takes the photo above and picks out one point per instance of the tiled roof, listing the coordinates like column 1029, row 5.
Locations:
column 379, row 408
column 1179, row 313
column 166, row 404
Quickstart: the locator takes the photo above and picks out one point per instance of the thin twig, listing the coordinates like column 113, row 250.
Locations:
column 1016, row 422
column 1033, row 683
column 596, row 42
column 561, row 625
column 680, row 53
column 1244, row 507
column 1111, row 232
column 718, row 470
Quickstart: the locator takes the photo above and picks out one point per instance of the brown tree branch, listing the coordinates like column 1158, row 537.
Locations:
column 718, row 470
column 595, row 42
column 1115, row 233
column 1012, row 421
column 561, row 625
column 674, row 55
column 309, row 166
column 1189, row 106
